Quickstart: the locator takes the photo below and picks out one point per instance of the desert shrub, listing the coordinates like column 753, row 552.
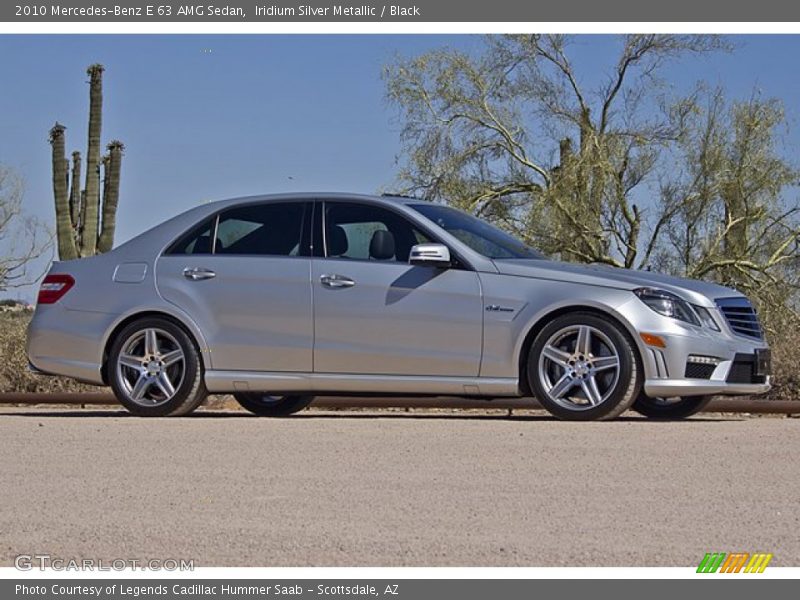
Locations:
column 786, row 377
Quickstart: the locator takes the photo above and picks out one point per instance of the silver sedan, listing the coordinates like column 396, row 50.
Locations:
column 276, row 299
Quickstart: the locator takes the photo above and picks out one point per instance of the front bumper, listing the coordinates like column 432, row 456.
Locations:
column 668, row 371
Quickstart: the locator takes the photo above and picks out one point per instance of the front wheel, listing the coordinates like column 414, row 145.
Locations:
column 670, row 408
column 265, row 405
column 584, row 367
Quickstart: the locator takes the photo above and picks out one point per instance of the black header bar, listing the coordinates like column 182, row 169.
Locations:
column 419, row 11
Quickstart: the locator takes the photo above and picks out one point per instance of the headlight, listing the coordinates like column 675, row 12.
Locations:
column 705, row 317
column 667, row 304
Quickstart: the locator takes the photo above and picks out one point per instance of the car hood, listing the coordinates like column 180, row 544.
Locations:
column 608, row 276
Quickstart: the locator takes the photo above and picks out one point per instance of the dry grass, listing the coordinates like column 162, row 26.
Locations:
column 15, row 377
column 786, row 371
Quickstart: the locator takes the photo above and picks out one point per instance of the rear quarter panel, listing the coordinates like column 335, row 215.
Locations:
column 69, row 337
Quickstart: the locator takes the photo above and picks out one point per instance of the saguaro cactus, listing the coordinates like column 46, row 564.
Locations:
column 85, row 219
column 112, row 163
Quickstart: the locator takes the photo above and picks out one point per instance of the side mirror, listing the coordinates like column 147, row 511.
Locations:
column 430, row 255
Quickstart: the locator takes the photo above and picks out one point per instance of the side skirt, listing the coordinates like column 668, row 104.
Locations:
column 318, row 383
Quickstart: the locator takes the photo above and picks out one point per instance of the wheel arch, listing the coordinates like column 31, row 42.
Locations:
column 542, row 320
column 181, row 321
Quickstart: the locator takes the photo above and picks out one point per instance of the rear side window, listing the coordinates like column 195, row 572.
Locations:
column 272, row 229
column 197, row 241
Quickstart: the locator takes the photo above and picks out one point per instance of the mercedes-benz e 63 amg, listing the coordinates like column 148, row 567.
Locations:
column 276, row 299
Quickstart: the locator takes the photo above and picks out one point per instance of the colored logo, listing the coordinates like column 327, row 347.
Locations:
column 736, row 562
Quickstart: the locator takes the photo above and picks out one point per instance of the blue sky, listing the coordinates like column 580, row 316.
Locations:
column 208, row 117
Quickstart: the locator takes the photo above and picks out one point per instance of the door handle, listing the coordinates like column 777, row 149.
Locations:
column 336, row 281
column 196, row 273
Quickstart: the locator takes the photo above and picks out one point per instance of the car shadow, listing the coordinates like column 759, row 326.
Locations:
column 409, row 281
column 366, row 415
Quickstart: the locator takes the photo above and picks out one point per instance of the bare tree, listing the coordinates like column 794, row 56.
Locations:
column 728, row 213
column 23, row 239
column 513, row 135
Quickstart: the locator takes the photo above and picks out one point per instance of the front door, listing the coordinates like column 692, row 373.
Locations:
column 380, row 315
column 244, row 278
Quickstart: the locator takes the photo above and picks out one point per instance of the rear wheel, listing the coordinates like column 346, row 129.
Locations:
column 266, row 405
column 670, row 408
column 155, row 369
column 583, row 367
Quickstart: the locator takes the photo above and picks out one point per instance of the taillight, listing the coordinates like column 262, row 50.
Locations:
column 54, row 287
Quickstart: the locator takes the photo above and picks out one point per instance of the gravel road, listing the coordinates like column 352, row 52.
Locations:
column 389, row 489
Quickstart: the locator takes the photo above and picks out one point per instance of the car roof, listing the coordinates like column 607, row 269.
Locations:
column 306, row 196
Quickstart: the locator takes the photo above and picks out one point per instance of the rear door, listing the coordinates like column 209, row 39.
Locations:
column 244, row 277
column 382, row 315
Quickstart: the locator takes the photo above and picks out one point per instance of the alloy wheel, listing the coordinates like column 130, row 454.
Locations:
column 151, row 367
column 579, row 367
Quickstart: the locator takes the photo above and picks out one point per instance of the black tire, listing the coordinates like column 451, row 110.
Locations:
column 678, row 408
column 265, row 405
column 189, row 393
column 621, row 387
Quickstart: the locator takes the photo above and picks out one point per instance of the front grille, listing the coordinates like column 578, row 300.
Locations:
column 741, row 316
column 743, row 370
column 699, row 370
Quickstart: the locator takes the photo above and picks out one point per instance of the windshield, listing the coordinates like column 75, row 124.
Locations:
column 475, row 233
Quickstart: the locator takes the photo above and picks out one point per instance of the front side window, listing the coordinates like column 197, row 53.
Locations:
column 479, row 235
column 364, row 232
